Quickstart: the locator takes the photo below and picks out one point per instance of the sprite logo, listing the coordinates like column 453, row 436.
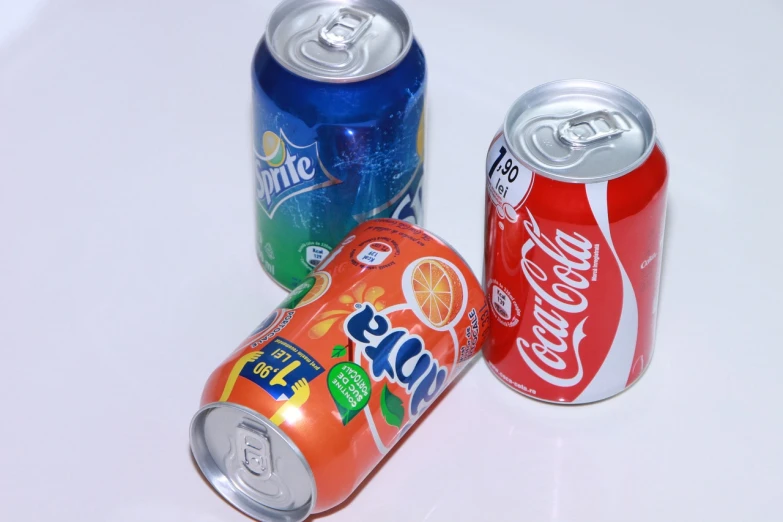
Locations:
column 285, row 170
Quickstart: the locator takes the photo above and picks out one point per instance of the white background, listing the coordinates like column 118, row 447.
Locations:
column 127, row 269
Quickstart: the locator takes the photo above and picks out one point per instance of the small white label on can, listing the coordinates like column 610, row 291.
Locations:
column 315, row 254
column 508, row 181
column 374, row 254
column 501, row 303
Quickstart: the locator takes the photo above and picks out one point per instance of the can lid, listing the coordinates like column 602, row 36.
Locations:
column 338, row 41
column 580, row 131
column 251, row 463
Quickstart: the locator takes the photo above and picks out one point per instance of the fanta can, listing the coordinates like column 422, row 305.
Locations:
column 338, row 95
column 296, row 418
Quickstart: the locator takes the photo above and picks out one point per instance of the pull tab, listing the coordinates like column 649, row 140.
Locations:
column 589, row 128
column 345, row 27
column 254, row 451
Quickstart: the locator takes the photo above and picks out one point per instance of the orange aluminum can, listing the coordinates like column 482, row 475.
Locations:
column 297, row 417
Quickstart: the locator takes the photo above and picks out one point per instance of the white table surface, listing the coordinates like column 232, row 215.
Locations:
column 127, row 269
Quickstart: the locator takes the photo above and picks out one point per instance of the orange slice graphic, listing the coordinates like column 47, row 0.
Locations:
column 321, row 285
column 438, row 291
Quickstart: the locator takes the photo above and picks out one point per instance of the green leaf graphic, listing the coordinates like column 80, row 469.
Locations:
column 338, row 351
column 391, row 408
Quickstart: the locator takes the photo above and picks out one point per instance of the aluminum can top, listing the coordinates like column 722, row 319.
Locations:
column 338, row 41
column 579, row 131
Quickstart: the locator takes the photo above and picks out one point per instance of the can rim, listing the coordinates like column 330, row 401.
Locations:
column 568, row 179
column 224, row 486
column 407, row 44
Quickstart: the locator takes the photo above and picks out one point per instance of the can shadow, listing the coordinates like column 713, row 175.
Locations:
column 18, row 25
column 666, row 255
column 425, row 180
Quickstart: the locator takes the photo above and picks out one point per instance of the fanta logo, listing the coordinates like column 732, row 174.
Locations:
column 396, row 355
column 284, row 170
column 556, row 293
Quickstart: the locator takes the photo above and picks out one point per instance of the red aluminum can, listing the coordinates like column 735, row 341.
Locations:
column 576, row 200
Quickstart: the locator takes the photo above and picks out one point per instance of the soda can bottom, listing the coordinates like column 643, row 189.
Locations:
column 240, row 453
column 298, row 416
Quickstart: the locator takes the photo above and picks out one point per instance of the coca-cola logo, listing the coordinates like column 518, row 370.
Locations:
column 558, row 291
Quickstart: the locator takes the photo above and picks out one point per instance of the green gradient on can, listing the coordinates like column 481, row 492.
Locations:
column 285, row 264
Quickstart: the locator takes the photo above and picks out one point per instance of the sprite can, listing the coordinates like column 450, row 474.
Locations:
column 338, row 94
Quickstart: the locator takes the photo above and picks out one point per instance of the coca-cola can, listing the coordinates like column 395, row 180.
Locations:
column 576, row 202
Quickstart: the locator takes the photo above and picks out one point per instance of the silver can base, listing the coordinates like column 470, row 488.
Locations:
column 251, row 463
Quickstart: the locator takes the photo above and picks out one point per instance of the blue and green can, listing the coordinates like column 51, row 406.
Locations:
column 339, row 95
